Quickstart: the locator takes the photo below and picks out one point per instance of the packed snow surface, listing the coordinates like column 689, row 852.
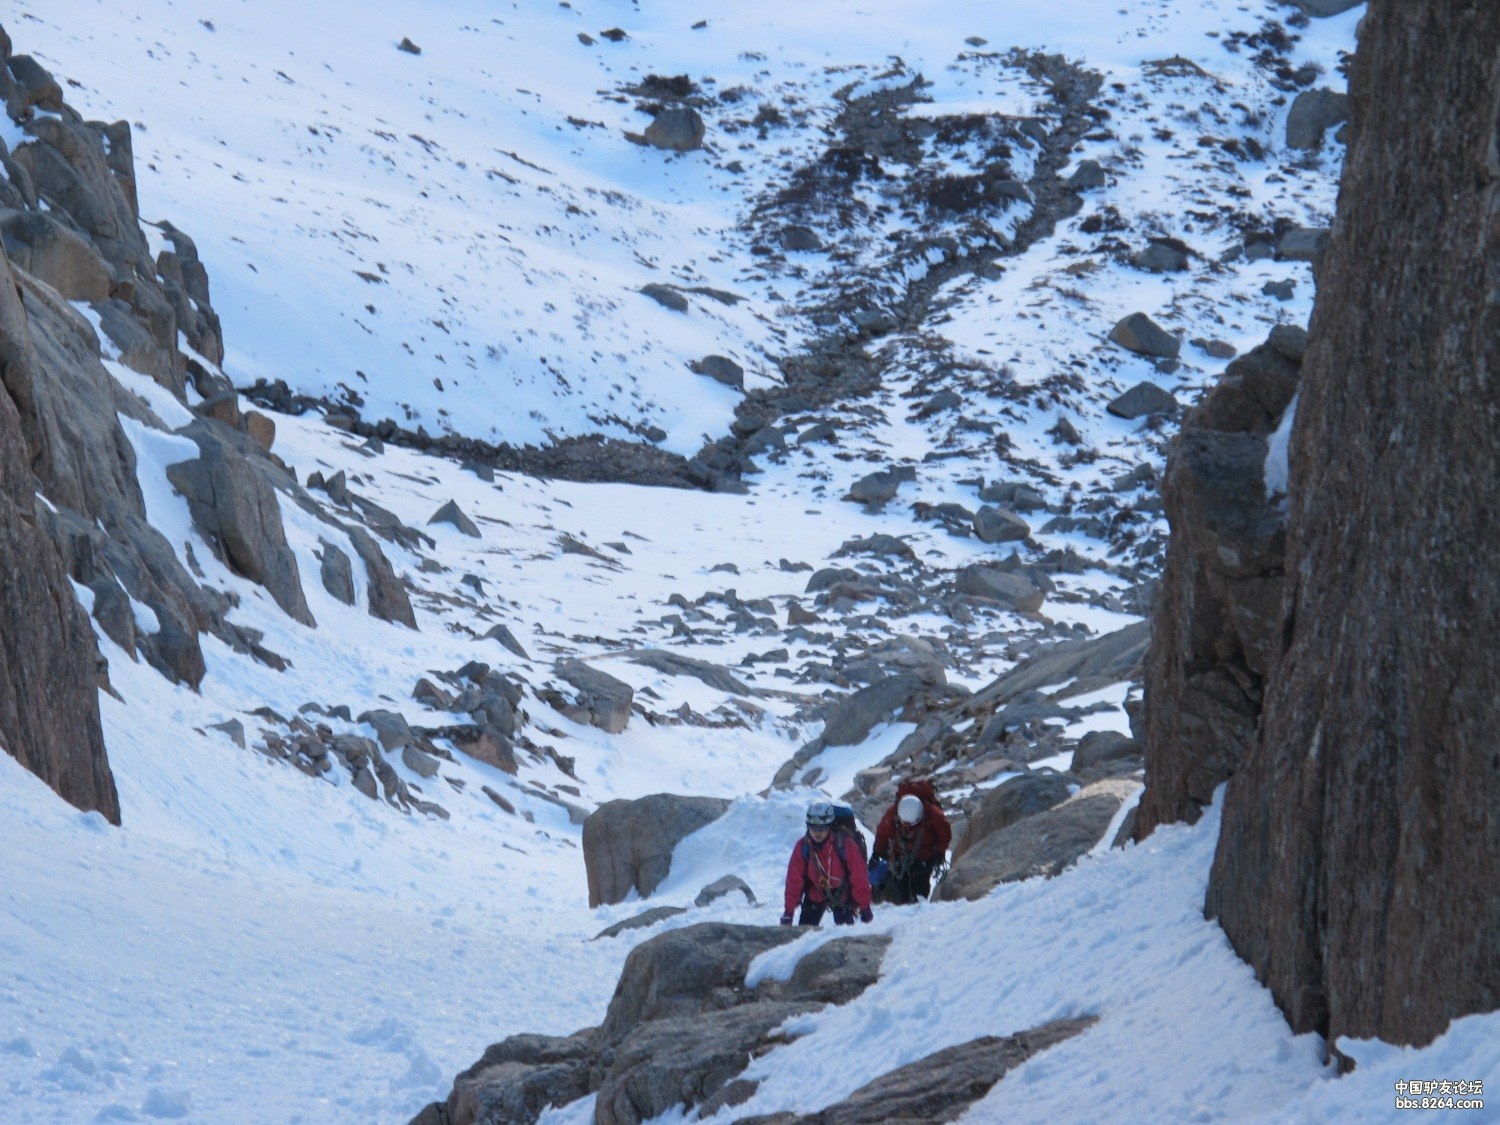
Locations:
column 457, row 239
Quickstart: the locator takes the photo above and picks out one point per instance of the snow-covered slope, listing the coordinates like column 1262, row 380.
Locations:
column 457, row 239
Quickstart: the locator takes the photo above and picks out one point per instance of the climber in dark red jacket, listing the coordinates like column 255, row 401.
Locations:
column 913, row 838
column 826, row 872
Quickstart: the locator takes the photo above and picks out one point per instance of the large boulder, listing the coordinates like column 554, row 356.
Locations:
column 628, row 844
column 833, row 973
column 687, row 972
column 603, row 701
column 874, row 489
column 235, row 506
column 1008, row 802
column 677, row 128
column 996, row 525
column 1140, row 334
column 1013, row 591
column 1044, row 843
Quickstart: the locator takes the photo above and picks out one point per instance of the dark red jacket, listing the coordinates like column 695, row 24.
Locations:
column 929, row 837
column 816, row 869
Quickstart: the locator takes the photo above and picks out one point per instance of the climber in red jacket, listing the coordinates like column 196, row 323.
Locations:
column 826, row 872
column 913, row 838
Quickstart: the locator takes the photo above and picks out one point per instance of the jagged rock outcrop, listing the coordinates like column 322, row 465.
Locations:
column 1358, row 868
column 628, row 844
column 1215, row 625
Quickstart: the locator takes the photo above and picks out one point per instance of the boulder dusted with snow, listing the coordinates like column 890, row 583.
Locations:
column 677, row 128
column 1013, row 591
column 503, row 634
column 451, row 513
column 1141, row 400
column 603, row 701
column 874, row 489
column 628, row 844
column 1088, row 176
column 1162, row 255
column 726, row 885
column 644, row 920
column 666, row 295
column 1140, row 334
column 1044, row 843
column 996, row 525
column 687, row 972
column 1100, row 747
column 387, row 594
column 721, row 369
column 676, row 664
column 391, row 728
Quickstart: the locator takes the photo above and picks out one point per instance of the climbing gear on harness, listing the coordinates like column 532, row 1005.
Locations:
column 835, row 894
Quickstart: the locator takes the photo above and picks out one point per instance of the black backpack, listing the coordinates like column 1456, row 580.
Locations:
column 843, row 821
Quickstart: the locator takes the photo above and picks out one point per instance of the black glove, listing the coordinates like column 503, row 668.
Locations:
column 786, row 919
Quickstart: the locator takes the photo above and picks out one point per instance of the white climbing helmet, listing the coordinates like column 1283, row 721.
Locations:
column 909, row 809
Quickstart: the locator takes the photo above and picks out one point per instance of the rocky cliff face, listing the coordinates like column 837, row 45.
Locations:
column 49, row 703
column 1359, row 863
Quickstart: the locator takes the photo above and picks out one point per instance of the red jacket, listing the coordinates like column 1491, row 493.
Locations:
column 929, row 837
column 816, row 868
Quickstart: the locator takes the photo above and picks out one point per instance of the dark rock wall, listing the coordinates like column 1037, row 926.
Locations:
column 1215, row 626
column 1359, row 864
column 49, row 702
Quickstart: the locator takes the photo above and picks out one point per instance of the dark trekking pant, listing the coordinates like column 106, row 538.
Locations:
column 812, row 914
column 914, row 886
